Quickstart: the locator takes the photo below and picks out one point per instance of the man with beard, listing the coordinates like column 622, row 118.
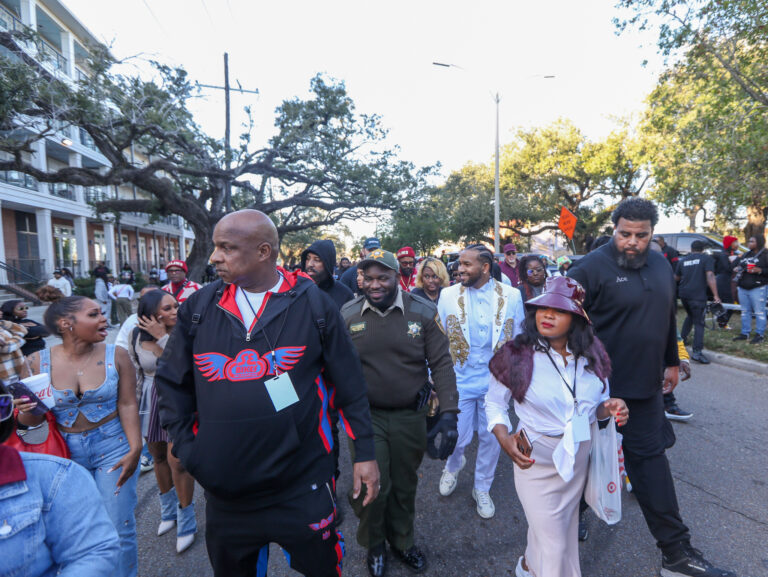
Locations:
column 480, row 314
column 344, row 265
column 398, row 337
column 631, row 302
column 406, row 258
column 317, row 261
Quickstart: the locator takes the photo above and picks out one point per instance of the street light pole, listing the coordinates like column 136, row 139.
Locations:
column 496, row 194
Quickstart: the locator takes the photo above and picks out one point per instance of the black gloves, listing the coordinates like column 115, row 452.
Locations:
column 446, row 427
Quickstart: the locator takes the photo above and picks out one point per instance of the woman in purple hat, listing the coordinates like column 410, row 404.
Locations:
column 557, row 372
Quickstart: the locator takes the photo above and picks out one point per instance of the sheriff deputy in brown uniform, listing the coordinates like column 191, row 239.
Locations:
column 398, row 336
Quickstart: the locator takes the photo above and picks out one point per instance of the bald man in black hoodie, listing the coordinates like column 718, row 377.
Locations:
column 318, row 261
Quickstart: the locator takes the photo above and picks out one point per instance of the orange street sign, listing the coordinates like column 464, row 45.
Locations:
column 567, row 222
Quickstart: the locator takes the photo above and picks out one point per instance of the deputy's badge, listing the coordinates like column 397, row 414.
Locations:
column 414, row 329
column 357, row 327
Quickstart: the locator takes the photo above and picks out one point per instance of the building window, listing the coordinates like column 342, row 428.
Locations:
column 100, row 247
column 125, row 250
column 26, row 235
column 142, row 253
column 65, row 246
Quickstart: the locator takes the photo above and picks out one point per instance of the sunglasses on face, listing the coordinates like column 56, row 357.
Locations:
column 533, row 271
column 6, row 407
column 22, row 308
column 510, row 253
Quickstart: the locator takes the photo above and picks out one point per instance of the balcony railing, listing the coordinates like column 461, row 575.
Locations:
column 81, row 76
column 86, row 140
column 95, row 194
column 17, row 178
column 26, row 270
column 62, row 190
column 52, row 56
column 9, row 22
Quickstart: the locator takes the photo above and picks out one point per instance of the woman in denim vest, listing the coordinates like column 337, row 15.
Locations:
column 94, row 388
column 53, row 522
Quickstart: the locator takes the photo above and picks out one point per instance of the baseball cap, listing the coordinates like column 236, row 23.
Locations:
column 510, row 246
column 372, row 243
column 406, row 251
column 380, row 257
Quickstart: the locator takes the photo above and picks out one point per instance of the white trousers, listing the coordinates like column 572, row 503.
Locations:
column 472, row 417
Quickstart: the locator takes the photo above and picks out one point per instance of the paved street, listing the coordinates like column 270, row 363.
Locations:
column 718, row 461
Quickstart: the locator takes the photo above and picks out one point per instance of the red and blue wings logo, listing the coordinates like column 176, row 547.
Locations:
column 248, row 365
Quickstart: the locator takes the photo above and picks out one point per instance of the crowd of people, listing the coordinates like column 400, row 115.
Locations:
column 243, row 385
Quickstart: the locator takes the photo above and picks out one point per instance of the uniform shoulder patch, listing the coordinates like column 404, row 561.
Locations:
column 357, row 327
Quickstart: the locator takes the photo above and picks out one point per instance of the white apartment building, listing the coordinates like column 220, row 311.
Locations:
column 46, row 226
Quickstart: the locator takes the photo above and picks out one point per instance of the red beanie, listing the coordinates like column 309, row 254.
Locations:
column 406, row 251
column 177, row 264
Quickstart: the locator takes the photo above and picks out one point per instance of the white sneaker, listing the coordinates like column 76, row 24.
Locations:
column 519, row 571
column 165, row 526
column 146, row 464
column 448, row 480
column 184, row 543
column 485, row 506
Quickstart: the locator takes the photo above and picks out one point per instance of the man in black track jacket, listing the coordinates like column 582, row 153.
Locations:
column 248, row 362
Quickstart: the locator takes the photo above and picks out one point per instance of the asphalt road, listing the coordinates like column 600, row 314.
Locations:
column 719, row 463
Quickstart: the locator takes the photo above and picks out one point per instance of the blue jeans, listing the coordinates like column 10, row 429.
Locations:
column 752, row 301
column 98, row 450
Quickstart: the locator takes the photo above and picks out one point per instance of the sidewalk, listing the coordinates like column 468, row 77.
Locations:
column 736, row 362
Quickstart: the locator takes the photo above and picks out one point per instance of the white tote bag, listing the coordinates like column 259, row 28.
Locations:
column 603, row 490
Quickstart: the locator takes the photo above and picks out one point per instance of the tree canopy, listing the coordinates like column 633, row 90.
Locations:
column 325, row 163
column 706, row 123
column 542, row 170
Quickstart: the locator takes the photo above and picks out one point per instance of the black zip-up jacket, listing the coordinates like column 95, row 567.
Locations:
column 633, row 313
column 327, row 252
column 244, row 449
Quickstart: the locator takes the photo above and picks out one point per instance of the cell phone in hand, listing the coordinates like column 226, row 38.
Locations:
column 524, row 443
column 19, row 390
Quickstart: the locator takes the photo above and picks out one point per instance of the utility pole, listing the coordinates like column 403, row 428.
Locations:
column 496, row 195
column 227, row 145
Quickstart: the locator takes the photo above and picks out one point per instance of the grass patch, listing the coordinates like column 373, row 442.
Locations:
column 721, row 341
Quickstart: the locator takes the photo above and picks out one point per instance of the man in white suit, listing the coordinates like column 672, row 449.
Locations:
column 479, row 315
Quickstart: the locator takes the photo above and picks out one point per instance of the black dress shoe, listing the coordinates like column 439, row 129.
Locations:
column 413, row 557
column 377, row 560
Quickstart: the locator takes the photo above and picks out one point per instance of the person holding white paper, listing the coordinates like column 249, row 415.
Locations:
column 557, row 372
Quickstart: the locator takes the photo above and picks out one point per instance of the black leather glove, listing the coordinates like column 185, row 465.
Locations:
column 446, row 427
